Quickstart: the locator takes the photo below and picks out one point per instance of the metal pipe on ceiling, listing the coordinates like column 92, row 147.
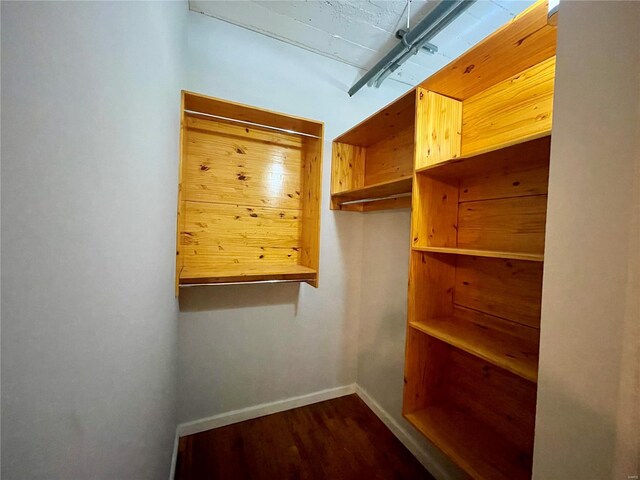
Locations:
column 433, row 23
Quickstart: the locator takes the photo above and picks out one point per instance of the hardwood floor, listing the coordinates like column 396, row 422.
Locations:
column 339, row 439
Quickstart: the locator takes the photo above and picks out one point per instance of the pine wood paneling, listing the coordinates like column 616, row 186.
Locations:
column 512, row 224
column 387, row 121
column 229, row 163
column 347, row 167
column 249, row 195
column 311, row 202
column 520, row 44
column 438, row 128
column 509, row 289
column 220, row 234
column 479, row 415
column 375, row 159
column 518, row 108
column 390, row 158
column 435, row 211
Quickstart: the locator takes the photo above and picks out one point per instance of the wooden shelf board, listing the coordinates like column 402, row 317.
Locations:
column 498, row 348
column 525, row 41
column 385, row 122
column 247, row 273
column 482, row 453
column 377, row 190
column 531, row 257
column 478, row 161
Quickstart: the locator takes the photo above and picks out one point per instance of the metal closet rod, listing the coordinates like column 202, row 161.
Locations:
column 376, row 199
column 253, row 282
column 433, row 23
column 245, row 122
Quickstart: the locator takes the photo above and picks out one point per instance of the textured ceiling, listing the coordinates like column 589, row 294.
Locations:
column 360, row 32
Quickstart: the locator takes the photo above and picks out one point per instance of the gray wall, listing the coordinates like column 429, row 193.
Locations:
column 240, row 346
column 89, row 146
column 587, row 422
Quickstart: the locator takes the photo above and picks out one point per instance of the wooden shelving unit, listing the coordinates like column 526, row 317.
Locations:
column 372, row 164
column 478, row 414
column 249, row 194
column 480, row 165
column 475, row 286
column 477, row 257
column 468, row 442
column 489, row 205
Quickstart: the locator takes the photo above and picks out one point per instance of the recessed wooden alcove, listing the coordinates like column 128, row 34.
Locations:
column 249, row 196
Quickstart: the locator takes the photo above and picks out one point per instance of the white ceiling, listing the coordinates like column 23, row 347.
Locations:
column 360, row 32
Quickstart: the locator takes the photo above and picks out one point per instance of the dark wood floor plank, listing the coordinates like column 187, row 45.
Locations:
column 340, row 439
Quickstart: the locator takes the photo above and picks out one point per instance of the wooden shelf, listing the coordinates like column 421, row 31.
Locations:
column 517, row 355
column 525, row 41
column 378, row 190
column 375, row 159
column 531, row 257
column 479, row 451
column 247, row 273
column 522, row 154
column 479, row 415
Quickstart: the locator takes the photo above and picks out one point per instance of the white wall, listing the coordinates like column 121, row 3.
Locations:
column 383, row 323
column 587, row 422
column 89, row 146
column 240, row 346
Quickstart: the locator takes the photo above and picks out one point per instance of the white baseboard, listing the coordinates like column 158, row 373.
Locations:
column 424, row 457
column 249, row 413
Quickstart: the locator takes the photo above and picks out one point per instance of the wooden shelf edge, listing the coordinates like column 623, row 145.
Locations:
column 295, row 273
column 525, row 370
column 433, row 169
column 529, row 257
column 435, row 423
column 382, row 190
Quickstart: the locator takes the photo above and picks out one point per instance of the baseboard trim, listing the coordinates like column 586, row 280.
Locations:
column 249, row 413
column 424, row 457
